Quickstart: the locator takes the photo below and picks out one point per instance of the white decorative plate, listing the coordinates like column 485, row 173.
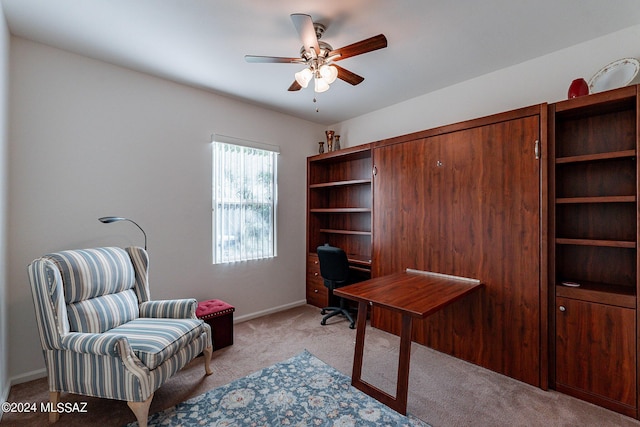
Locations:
column 617, row 74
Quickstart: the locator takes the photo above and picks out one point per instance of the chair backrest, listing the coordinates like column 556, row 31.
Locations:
column 99, row 286
column 334, row 265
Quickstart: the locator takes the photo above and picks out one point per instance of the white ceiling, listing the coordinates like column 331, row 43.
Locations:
column 432, row 43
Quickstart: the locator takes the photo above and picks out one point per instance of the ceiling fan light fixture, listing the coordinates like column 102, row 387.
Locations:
column 329, row 73
column 321, row 85
column 304, row 77
column 318, row 56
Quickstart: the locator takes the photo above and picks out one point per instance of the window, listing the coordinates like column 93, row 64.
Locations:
column 244, row 200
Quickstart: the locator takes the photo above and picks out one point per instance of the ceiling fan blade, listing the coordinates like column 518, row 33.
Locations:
column 304, row 26
column 358, row 48
column 272, row 59
column 294, row 86
column 348, row 76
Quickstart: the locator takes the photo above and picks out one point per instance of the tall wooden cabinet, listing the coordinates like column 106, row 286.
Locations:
column 465, row 200
column 594, row 235
column 339, row 206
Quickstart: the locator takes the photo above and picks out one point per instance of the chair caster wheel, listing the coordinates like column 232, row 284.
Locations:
column 323, row 322
column 352, row 326
column 323, row 312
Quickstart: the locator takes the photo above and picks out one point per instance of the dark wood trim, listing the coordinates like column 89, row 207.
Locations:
column 350, row 153
column 598, row 400
column 637, row 94
column 551, row 227
column 600, row 100
column 544, row 260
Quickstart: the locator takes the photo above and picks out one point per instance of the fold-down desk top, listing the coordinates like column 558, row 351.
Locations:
column 414, row 292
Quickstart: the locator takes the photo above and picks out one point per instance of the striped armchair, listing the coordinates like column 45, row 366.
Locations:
column 101, row 334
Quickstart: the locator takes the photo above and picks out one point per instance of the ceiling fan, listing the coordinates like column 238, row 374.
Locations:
column 319, row 57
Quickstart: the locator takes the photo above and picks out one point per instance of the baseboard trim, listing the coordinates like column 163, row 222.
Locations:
column 27, row 376
column 18, row 379
column 261, row 313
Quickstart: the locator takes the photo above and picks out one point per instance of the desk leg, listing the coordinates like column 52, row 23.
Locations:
column 402, row 386
column 398, row 403
column 361, row 325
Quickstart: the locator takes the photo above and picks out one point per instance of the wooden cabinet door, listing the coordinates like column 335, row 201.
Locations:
column 595, row 353
column 467, row 203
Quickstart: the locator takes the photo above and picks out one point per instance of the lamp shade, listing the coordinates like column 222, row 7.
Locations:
column 110, row 219
column 304, row 77
column 329, row 73
column 321, row 85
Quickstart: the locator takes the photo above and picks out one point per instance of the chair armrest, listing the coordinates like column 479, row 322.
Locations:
column 111, row 345
column 98, row 344
column 171, row 309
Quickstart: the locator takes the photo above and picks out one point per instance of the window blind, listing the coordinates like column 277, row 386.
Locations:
column 244, row 200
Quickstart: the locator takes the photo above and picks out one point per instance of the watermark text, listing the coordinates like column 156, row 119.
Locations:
column 60, row 407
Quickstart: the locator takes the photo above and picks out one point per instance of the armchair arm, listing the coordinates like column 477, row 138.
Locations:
column 172, row 309
column 110, row 345
column 98, row 344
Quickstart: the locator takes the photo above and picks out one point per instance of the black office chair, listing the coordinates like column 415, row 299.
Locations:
column 334, row 269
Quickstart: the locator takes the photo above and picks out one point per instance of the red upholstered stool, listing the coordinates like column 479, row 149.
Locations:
column 219, row 315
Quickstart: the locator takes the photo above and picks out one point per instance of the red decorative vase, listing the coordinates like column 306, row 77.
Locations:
column 579, row 87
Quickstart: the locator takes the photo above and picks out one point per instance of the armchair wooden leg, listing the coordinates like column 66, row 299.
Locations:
column 141, row 410
column 54, row 398
column 207, row 359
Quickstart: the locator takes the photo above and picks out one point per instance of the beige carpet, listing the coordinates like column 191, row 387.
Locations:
column 444, row 391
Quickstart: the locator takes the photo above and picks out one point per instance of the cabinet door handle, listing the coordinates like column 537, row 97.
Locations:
column 374, row 171
column 562, row 308
column 315, row 274
column 536, row 149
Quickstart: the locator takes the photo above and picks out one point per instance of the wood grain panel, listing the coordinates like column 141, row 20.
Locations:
column 589, row 338
column 467, row 203
column 417, row 294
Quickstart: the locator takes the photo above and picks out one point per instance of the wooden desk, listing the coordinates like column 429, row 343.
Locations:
column 413, row 294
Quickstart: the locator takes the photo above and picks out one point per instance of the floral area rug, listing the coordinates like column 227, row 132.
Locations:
column 301, row 391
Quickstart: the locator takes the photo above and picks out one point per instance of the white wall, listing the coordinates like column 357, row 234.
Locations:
column 4, row 176
column 544, row 79
column 89, row 139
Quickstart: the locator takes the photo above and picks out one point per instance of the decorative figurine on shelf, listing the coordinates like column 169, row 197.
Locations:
column 329, row 134
column 321, row 148
column 578, row 87
column 336, row 143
